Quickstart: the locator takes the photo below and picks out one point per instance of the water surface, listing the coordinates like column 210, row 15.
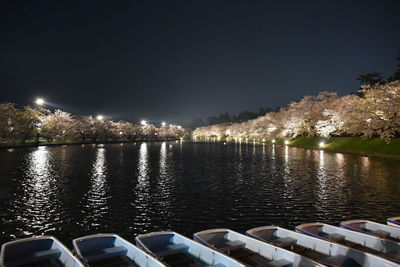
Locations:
column 70, row 191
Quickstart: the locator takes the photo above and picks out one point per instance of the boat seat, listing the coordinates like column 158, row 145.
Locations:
column 392, row 255
column 339, row 260
column 213, row 240
column 36, row 257
column 231, row 245
column 336, row 237
column 278, row 263
column 284, row 242
column 115, row 250
column 172, row 249
column 381, row 233
column 235, row 243
column 108, row 253
column 48, row 254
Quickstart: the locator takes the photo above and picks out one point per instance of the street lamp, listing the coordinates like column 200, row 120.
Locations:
column 163, row 123
column 99, row 117
column 287, row 142
column 143, row 122
column 39, row 101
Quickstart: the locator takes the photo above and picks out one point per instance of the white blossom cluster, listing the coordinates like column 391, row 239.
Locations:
column 375, row 113
column 18, row 125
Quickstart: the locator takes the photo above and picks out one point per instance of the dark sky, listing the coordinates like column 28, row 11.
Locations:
column 177, row 60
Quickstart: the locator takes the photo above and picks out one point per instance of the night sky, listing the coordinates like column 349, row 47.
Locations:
column 178, row 60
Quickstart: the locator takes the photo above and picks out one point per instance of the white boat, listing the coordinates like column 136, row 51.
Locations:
column 372, row 228
column 37, row 251
column 176, row 250
column 111, row 249
column 367, row 243
column 249, row 251
column 324, row 252
column 393, row 221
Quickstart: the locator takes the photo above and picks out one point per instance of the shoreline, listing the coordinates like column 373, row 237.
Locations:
column 80, row 142
column 368, row 147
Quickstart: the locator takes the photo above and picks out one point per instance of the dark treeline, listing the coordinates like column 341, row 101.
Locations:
column 227, row 118
column 377, row 77
column 372, row 78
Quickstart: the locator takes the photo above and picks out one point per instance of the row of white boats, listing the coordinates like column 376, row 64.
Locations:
column 354, row 243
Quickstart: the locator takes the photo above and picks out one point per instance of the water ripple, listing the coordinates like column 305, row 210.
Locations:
column 187, row 187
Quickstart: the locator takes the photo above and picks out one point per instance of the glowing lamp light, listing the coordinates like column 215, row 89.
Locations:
column 321, row 144
column 263, row 140
column 273, row 141
column 39, row 101
column 143, row 122
column 120, row 133
column 286, row 142
column 99, row 117
column 163, row 123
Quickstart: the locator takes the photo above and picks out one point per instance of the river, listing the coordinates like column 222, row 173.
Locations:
column 133, row 188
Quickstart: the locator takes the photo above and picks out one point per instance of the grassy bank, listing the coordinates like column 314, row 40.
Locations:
column 75, row 142
column 373, row 147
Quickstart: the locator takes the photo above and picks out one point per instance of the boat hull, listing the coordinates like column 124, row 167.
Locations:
column 394, row 221
column 324, row 252
column 166, row 245
column 360, row 241
column 259, row 253
column 104, row 248
column 37, row 250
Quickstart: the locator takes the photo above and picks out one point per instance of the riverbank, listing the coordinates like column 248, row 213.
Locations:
column 371, row 147
column 79, row 142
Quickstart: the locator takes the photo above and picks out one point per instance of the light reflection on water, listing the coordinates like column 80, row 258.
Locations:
column 187, row 187
column 37, row 207
column 143, row 165
column 97, row 196
column 142, row 188
column 164, row 185
column 37, row 187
